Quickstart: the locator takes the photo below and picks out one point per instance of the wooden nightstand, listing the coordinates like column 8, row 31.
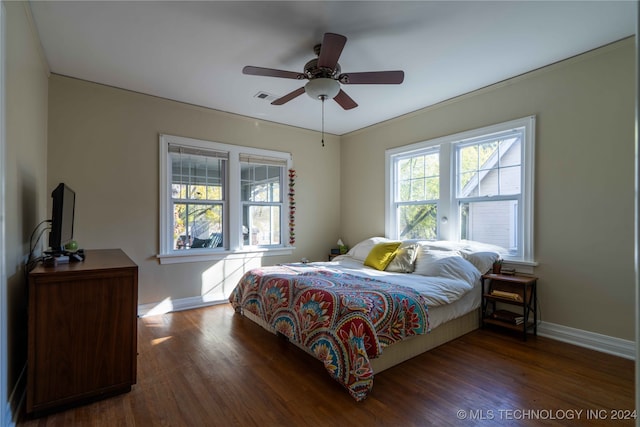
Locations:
column 332, row 256
column 519, row 291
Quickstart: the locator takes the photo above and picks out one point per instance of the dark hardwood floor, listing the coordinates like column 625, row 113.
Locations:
column 211, row 367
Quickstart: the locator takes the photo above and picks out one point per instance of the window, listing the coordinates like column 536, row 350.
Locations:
column 488, row 188
column 417, row 194
column 220, row 199
column 477, row 185
column 197, row 197
column 261, row 188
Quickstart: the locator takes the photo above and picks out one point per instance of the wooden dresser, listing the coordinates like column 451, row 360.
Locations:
column 82, row 343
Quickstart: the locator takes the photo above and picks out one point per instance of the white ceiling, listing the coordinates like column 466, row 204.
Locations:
column 194, row 51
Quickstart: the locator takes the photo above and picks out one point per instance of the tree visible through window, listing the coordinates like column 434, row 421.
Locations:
column 418, row 181
column 197, row 197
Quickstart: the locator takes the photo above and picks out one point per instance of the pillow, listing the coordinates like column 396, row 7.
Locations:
column 404, row 261
column 467, row 246
column 472, row 246
column 427, row 260
column 449, row 264
column 483, row 261
column 361, row 250
column 481, row 255
column 443, row 245
column 381, row 255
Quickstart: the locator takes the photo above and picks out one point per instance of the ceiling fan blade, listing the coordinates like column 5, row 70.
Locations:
column 270, row 72
column 330, row 50
column 345, row 100
column 372, row 78
column 288, row 97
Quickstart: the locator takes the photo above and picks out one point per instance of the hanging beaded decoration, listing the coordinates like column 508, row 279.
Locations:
column 292, row 207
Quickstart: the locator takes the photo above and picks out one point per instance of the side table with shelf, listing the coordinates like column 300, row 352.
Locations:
column 517, row 291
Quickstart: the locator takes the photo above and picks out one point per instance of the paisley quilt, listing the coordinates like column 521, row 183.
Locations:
column 342, row 319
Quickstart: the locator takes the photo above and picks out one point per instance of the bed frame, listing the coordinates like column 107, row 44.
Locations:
column 411, row 347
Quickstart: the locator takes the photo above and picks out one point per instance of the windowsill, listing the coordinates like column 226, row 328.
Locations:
column 193, row 256
column 521, row 266
column 521, row 262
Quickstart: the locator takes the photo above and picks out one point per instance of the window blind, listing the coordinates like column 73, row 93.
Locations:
column 196, row 166
column 263, row 160
column 198, row 151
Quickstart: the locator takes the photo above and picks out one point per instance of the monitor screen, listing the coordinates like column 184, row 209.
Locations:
column 62, row 213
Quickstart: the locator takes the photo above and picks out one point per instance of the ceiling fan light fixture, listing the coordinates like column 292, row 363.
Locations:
column 322, row 87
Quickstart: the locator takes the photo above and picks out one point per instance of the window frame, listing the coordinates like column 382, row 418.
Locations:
column 188, row 201
column 232, row 210
column 397, row 203
column 248, row 204
column 448, row 208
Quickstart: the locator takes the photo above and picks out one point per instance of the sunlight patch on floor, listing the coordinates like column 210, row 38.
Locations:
column 163, row 307
column 160, row 340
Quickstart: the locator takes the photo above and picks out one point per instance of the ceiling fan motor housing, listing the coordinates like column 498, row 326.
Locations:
column 323, row 83
column 312, row 71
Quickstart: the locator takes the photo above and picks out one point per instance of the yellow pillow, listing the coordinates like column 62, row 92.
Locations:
column 381, row 255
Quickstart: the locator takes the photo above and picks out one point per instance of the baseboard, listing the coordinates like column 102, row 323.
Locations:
column 7, row 416
column 592, row 340
column 168, row 305
column 16, row 400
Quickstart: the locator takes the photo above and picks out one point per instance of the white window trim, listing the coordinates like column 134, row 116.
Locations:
column 448, row 227
column 167, row 255
column 5, row 399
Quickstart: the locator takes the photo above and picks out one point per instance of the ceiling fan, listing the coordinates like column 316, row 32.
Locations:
column 324, row 75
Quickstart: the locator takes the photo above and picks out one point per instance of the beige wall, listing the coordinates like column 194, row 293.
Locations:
column 584, row 182
column 103, row 142
column 25, row 170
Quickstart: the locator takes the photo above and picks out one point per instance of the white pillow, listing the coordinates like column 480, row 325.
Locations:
column 472, row 246
column 481, row 255
column 362, row 249
column 483, row 261
column 404, row 261
column 463, row 246
column 450, row 264
column 426, row 260
column 443, row 245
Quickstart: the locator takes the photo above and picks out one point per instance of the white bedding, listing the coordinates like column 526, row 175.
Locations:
column 443, row 271
column 438, row 290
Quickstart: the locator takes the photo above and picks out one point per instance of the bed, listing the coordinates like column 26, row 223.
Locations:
column 375, row 307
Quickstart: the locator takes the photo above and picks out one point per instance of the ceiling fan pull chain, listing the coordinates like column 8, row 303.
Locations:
column 322, row 98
